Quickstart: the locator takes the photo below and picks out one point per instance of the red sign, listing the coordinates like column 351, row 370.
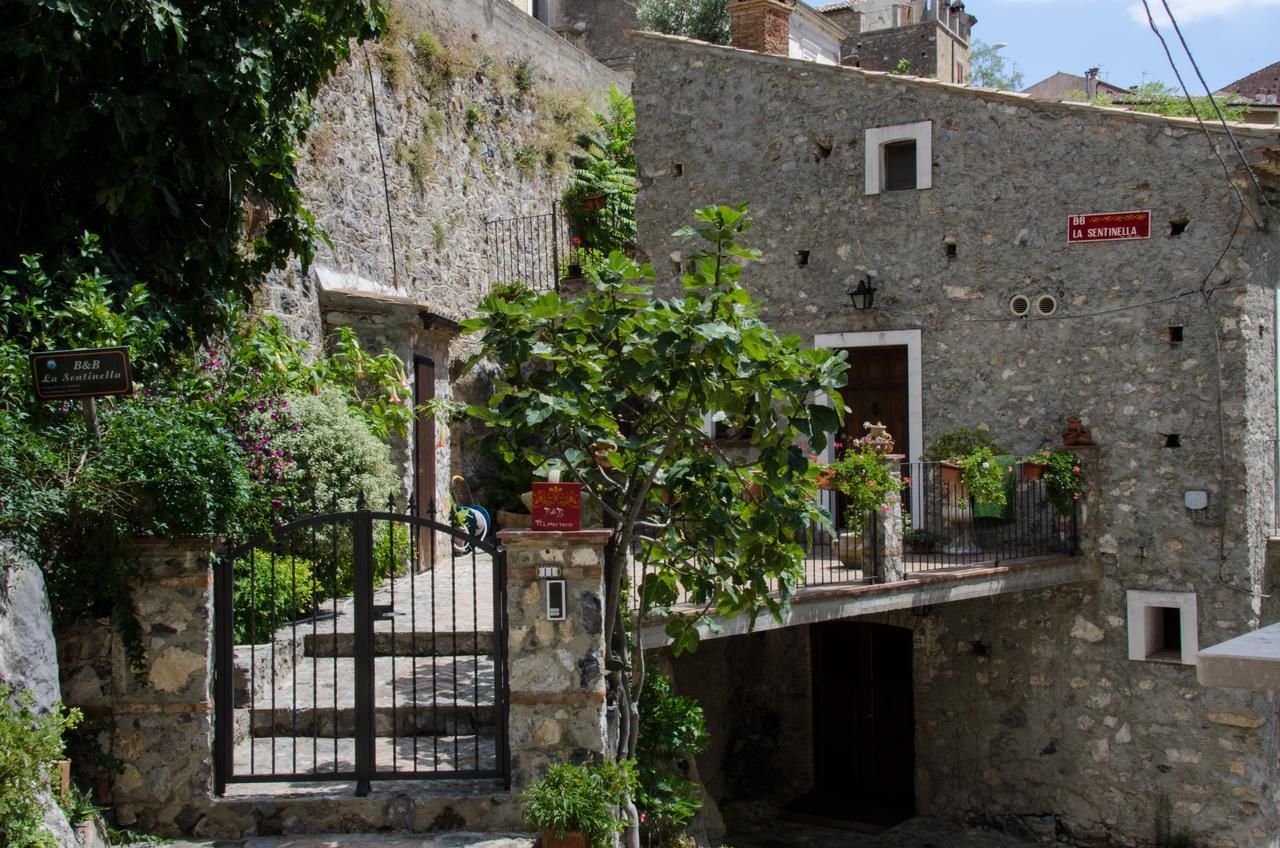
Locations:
column 1109, row 226
column 557, row 506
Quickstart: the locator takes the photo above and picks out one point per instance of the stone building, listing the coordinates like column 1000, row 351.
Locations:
column 1260, row 90
column 1071, row 711
column 411, row 154
column 933, row 35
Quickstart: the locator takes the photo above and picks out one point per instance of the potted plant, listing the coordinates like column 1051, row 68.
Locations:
column 577, row 806
column 1033, row 466
column 1064, row 480
column 919, row 541
column 983, row 475
column 866, row 480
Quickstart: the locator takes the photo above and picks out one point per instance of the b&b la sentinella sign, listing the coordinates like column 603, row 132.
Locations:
column 85, row 373
column 1109, row 226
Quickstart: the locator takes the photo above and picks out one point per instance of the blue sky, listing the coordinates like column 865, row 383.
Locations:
column 1229, row 38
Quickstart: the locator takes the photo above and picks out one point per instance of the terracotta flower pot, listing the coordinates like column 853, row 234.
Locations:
column 593, row 204
column 951, row 473
column 571, row 839
column 1032, row 470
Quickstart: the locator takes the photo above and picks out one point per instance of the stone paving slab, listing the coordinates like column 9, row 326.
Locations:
column 431, row 753
column 373, row 840
column 913, row 833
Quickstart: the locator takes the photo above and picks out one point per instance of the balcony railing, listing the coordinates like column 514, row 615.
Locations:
column 961, row 532
column 540, row 251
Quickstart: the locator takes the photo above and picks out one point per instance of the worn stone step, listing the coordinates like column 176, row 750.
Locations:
column 386, row 644
column 431, row 718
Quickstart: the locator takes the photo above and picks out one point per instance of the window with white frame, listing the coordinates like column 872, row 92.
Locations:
column 899, row 158
column 1163, row 627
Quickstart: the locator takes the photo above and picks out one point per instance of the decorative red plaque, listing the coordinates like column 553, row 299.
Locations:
column 557, row 506
column 1111, row 226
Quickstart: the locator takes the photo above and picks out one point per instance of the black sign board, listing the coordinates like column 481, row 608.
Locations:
column 87, row 373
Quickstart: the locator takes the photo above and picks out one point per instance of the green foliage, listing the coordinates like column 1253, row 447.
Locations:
column 863, row 476
column 604, row 166
column 30, row 743
column 526, row 159
column 957, row 443
column 624, row 366
column 438, row 235
column 987, row 68
column 918, row 535
column 337, row 453
column 902, row 68
column 434, row 63
column 473, row 116
column 78, row 805
column 1161, row 99
column 173, row 130
column 672, row 731
column 270, row 591
column 1064, row 478
column 579, row 799
column 559, row 118
column 983, row 476
column 705, row 20
column 522, row 76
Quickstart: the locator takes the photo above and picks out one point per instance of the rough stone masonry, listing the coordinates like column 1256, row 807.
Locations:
column 1153, row 344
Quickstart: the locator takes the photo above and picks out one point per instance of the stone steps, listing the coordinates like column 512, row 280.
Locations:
column 401, row 644
column 432, row 718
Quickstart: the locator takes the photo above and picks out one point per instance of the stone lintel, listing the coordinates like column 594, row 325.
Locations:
column 553, row 538
column 1251, row 661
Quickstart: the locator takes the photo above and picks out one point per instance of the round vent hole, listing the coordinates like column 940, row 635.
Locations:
column 1019, row 305
column 1046, row 305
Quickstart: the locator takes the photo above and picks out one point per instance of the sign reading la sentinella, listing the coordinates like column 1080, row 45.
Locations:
column 86, row 373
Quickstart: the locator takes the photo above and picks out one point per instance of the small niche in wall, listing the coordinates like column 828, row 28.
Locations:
column 1172, row 440
column 802, row 258
column 1174, row 334
column 1178, row 225
column 950, row 247
column 677, row 169
column 822, row 148
column 1163, row 627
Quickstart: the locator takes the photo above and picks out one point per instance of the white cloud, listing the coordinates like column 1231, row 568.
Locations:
column 1189, row 11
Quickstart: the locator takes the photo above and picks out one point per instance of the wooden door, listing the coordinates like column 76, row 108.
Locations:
column 877, row 392
column 864, row 727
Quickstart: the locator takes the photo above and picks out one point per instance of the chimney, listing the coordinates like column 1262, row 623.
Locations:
column 1091, row 84
column 761, row 25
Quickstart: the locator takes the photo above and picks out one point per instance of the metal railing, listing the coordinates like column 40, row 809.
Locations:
column 951, row 531
column 540, row 251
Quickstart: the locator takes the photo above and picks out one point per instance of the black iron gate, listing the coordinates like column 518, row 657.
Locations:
column 359, row 645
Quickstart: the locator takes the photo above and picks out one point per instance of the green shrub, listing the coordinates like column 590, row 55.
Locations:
column 29, row 745
column 269, row 593
column 579, row 799
column 522, row 76
column 984, row 476
column 434, row 62
column 339, row 457
column 957, row 443
column 526, row 159
column 863, row 476
column 672, row 731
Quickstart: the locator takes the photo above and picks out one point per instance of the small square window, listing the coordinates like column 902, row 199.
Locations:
column 900, row 165
column 1163, row 627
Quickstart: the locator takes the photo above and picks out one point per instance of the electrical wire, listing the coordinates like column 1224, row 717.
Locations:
column 1262, row 196
column 386, row 190
column 1195, row 113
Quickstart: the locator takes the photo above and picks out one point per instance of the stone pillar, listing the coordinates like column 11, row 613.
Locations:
column 162, row 722
column 556, row 668
column 892, row 566
column 761, row 25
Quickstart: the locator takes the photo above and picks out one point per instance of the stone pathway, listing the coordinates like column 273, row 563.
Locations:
column 913, row 833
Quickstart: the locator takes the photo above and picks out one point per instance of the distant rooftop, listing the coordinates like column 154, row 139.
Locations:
column 1060, row 86
column 1261, row 87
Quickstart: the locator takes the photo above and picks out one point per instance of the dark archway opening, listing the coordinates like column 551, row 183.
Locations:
column 863, row 724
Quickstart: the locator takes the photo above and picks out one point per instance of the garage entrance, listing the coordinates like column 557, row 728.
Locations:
column 863, row 724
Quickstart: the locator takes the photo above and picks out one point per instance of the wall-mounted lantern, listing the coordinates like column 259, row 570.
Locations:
column 864, row 296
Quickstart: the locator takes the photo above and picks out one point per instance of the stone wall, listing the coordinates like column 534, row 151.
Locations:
column 1006, row 175
column 482, row 144
column 598, row 27
column 159, row 724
